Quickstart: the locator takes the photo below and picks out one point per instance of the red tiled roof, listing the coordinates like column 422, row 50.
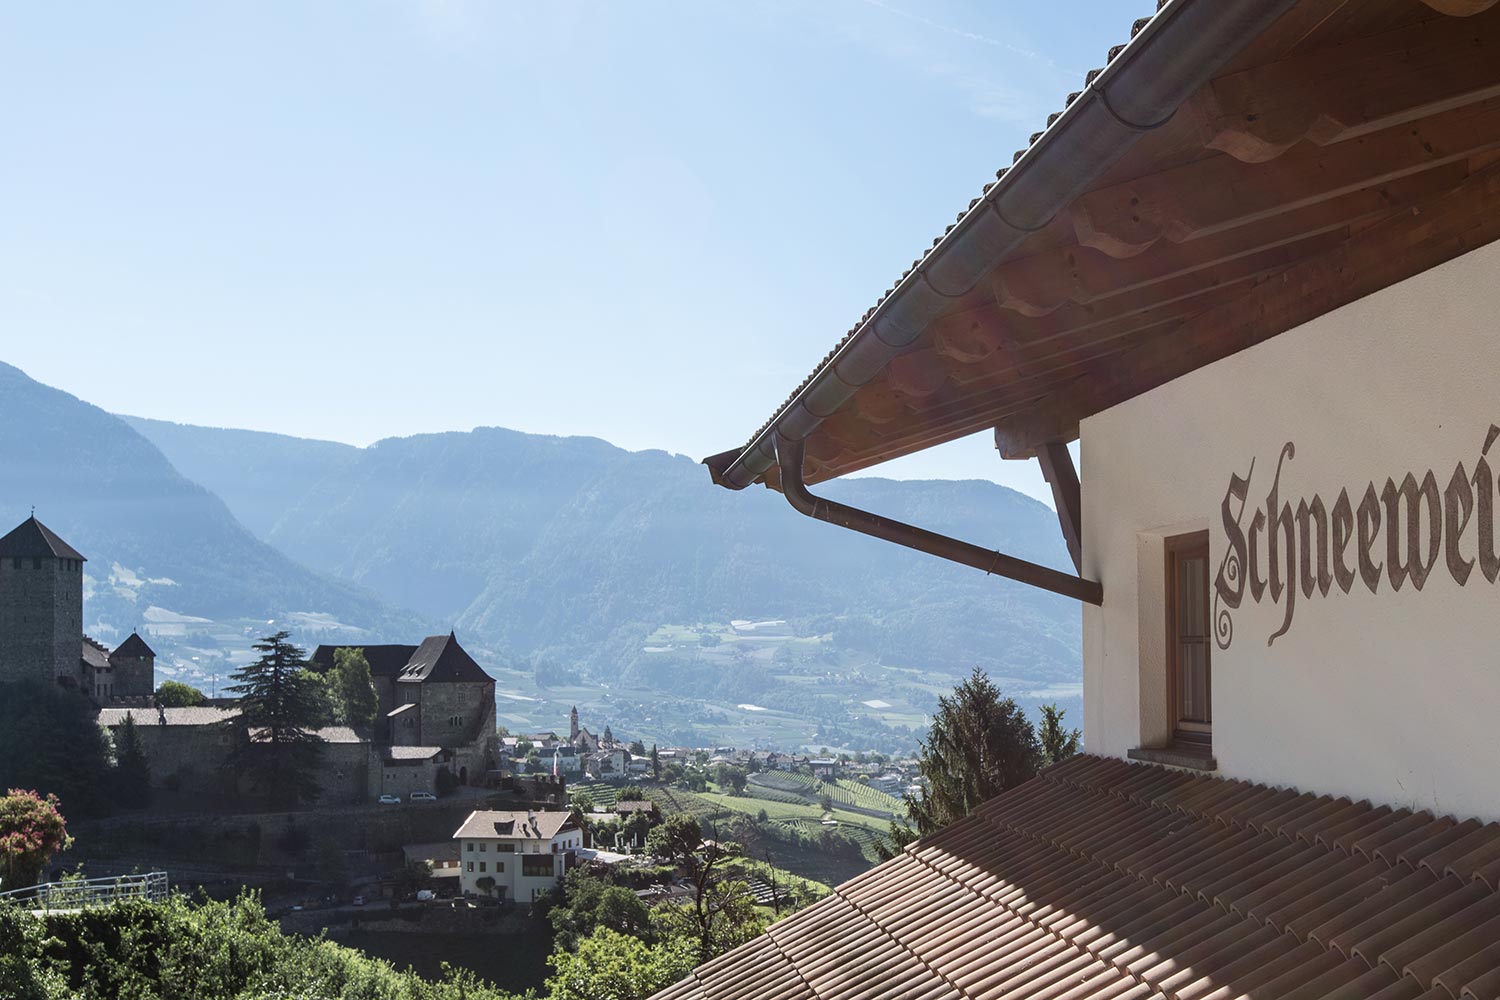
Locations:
column 1106, row 880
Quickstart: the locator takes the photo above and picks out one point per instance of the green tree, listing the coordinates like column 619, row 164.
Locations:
column 581, row 800
column 731, row 777
column 637, row 748
column 716, row 916
column 279, row 706
column 51, row 740
column 1058, row 744
column 353, row 691
column 31, row 832
column 589, row 902
column 979, row 745
column 132, row 770
column 609, row 965
column 630, row 793
column 609, row 736
column 175, row 694
column 655, row 764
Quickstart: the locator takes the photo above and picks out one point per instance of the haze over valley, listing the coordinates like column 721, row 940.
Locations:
column 577, row 571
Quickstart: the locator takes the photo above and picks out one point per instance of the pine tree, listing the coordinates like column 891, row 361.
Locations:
column 655, row 763
column 279, row 704
column 609, row 737
column 132, row 771
column 352, row 688
column 980, row 744
column 1058, row 744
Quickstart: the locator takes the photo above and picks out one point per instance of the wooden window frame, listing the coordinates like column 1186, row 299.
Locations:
column 1186, row 735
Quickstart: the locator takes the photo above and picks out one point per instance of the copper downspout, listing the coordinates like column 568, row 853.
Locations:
column 789, row 456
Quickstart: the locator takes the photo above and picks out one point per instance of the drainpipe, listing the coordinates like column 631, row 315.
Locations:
column 1178, row 51
column 789, row 455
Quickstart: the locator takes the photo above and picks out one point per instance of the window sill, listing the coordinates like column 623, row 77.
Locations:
column 1194, row 759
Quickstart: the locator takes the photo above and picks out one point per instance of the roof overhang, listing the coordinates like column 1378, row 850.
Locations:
column 1239, row 168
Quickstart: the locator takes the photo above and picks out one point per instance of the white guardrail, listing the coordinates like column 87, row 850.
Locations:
column 77, row 894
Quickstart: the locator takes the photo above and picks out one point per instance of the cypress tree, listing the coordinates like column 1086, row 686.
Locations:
column 279, row 704
column 132, row 767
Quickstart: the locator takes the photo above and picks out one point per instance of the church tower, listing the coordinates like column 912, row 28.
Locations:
column 41, row 605
column 573, row 725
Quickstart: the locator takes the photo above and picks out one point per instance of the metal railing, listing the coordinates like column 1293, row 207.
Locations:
column 77, row 894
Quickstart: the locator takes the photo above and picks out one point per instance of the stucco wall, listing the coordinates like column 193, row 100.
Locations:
column 1388, row 695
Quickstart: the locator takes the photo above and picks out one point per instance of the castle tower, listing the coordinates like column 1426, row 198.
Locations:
column 573, row 725
column 41, row 605
column 134, row 664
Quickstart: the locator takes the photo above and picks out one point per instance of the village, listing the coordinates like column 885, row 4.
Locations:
column 423, row 802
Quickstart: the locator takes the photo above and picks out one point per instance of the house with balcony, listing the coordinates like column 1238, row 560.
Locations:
column 1237, row 300
column 515, row 855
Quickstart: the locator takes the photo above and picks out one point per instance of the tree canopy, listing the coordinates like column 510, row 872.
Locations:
column 279, row 704
column 175, row 694
column 351, row 689
column 979, row 745
column 1058, row 744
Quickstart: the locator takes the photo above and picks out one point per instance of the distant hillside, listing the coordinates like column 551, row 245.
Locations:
column 161, row 549
column 570, row 551
column 263, row 470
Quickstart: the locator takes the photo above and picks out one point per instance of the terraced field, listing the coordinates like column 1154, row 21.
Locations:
column 779, row 786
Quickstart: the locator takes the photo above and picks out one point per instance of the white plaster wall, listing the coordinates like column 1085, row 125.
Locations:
column 1394, row 697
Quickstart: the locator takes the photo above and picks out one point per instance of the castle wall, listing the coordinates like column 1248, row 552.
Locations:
column 457, row 714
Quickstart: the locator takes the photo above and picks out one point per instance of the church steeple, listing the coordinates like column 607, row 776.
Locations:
column 573, row 725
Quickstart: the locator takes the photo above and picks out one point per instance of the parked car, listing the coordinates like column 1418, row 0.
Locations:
column 425, row 895
column 358, row 901
column 423, row 797
column 390, row 800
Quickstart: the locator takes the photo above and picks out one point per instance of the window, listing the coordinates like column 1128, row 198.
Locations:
column 471, row 866
column 507, row 848
column 1189, row 677
column 499, row 866
column 470, row 846
column 481, row 866
column 483, row 848
column 535, row 866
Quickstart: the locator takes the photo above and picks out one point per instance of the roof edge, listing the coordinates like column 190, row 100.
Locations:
column 1140, row 89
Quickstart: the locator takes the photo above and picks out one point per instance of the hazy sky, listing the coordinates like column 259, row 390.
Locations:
column 644, row 221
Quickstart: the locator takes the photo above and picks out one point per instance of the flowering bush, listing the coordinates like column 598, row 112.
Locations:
column 31, row 832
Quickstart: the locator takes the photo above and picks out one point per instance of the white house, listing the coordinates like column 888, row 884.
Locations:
column 1250, row 271
column 515, row 855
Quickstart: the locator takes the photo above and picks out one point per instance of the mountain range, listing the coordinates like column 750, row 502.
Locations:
column 562, row 557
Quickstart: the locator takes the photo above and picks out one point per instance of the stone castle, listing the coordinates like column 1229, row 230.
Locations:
column 41, row 623
column 436, row 703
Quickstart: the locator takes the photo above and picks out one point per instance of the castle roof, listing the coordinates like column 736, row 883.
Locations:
column 94, row 654
column 134, row 646
column 200, row 715
column 33, row 539
column 385, row 660
column 441, row 658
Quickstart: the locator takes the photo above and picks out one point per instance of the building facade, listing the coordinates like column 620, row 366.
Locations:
column 1340, row 480
column 41, row 605
column 515, row 856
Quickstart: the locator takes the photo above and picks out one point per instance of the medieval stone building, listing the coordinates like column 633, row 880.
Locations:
column 41, row 622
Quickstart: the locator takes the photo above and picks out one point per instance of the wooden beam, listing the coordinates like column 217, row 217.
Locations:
column 1038, row 285
column 1404, row 245
column 1057, row 469
column 1220, row 193
column 1361, row 86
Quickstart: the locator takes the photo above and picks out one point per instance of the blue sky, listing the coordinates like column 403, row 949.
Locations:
column 643, row 221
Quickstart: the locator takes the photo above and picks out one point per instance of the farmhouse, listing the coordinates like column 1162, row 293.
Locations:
column 1251, row 269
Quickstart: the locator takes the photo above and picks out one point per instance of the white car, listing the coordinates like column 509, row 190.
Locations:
column 423, row 797
column 390, row 800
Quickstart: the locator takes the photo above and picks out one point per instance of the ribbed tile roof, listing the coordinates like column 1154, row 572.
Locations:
column 1105, row 880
